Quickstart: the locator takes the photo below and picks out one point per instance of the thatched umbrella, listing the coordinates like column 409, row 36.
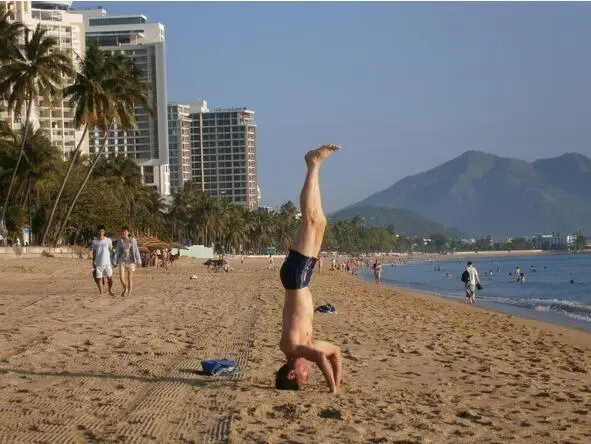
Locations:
column 151, row 242
column 157, row 245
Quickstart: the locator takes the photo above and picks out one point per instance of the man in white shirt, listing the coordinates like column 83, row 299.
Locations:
column 473, row 281
column 101, row 260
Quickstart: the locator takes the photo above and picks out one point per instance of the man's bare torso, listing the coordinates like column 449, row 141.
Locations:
column 298, row 314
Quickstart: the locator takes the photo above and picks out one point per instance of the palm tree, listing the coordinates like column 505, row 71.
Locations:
column 287, row 225
column 90, row 95
column 10, row 33
column 209, row 219
column 184, row 211
column 37, row 69
column 150, row 217
column 124, row 177
column 235, row 233
column 41, row 162
column 125, row 88
column 263, row 230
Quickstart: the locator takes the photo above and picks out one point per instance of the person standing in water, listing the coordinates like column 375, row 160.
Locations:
column 297, row 341
column 377, row 271
column 472, row 281
column 127, row 256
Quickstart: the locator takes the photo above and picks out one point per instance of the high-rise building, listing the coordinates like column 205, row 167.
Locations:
column 223, row 153
column 133, row 37
column 67, row 28
column 179, row 142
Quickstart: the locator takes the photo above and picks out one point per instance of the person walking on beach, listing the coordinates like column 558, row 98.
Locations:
column 298, row 310
column 101, row 260
column 377, row 271
column 471, row 281
column 164, row 256
column 127, row 256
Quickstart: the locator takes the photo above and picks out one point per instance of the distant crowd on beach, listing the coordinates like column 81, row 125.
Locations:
column 126, row 255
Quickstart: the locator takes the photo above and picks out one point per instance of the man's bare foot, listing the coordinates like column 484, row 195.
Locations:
column 111, row 293
column 317, row 156
column 123, row 292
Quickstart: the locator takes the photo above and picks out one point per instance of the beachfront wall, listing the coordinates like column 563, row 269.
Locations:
column 199, row 251
column 68, row 252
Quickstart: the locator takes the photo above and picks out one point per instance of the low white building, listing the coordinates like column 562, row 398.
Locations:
column 554, row 241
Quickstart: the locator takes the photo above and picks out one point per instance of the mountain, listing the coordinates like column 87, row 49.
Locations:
column 404, row 221
column 480, row 194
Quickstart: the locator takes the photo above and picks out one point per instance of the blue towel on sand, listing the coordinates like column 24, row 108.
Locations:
column 219, row 367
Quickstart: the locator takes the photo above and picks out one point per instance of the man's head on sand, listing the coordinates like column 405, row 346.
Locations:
column 101, row 231
column 292, row 375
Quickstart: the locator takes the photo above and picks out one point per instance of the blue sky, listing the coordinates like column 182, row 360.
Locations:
column 402, row 87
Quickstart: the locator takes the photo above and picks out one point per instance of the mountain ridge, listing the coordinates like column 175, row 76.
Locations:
column 481, row 193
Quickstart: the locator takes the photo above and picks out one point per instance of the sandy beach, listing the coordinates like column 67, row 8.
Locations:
column 77, row 368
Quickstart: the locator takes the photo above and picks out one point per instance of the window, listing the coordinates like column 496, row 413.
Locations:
column 116, row 21
column 148, row 174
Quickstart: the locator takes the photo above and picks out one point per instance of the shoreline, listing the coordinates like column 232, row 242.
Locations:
column 544, row 317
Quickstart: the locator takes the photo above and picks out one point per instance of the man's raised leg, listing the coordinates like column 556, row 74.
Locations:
column 308, row 240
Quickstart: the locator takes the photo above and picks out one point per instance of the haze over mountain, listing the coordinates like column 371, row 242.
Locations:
column 481, row 193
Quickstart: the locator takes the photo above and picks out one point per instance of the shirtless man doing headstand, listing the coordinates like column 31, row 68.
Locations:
column 298, row 309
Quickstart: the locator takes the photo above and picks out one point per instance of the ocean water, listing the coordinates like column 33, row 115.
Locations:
column 547, row 293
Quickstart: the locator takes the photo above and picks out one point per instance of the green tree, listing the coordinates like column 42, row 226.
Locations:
column 287, row 225
column 182, row 221
column 36, row 174
column 124, row 89
column 91, row 96
column 10, row 33
column 440, row 242
column 580, row 241
column 35, row 71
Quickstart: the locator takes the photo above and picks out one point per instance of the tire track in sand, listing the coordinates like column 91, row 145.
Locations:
column 191, row 408
column 217, row 430
column 112, row 312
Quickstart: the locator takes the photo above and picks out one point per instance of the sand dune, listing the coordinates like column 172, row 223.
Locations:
column 76, row 367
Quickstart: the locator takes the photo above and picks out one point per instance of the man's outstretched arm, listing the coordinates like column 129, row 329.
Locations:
column 319, row 357
column 333, row 353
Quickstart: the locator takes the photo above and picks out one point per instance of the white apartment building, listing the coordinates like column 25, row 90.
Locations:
column 223, row 153
column 179, row 142
column 554, row 241
column 67, row 28
column 132, row 36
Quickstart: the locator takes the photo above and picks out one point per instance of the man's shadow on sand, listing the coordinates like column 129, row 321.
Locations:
column 189, row 381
